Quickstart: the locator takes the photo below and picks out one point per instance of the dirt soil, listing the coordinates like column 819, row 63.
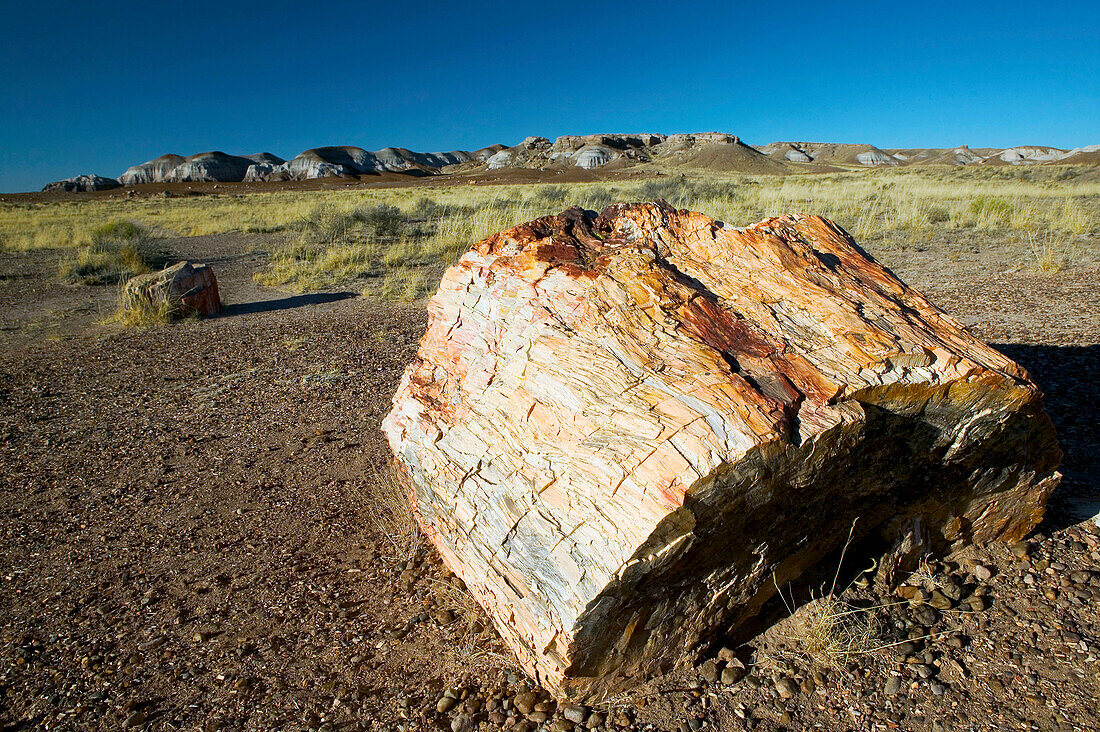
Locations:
column 193, row 536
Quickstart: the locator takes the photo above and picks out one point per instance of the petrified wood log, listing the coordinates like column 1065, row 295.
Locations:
column 188, row 289
column 617, row 429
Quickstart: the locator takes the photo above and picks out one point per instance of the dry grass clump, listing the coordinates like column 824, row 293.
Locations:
column 139, row 311
column 390, row 513
column 831, row 632
column 1051, row 250
column 116, row 251
column 334, row 246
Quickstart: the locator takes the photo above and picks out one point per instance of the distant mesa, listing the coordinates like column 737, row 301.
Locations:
column 1087, row 155
column 208, row 166
column 83, row 184
column 830, row 153
column 706, row 151
column 702, row 151
column 1017, row 155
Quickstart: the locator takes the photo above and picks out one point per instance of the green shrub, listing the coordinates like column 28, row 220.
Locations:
column 384, row 221
column 326, row 224
column 117, row 251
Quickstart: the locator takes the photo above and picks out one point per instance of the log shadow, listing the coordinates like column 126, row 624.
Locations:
column 284, row 303
column 1068, row 377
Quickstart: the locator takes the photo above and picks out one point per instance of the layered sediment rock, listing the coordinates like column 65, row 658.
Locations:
column 152, row 171
column 210, row 166
column 622, row 431
column 82, row 184
column 213, row 166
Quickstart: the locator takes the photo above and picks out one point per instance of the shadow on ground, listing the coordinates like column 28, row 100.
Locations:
column 284, row 303
column 1068, row 377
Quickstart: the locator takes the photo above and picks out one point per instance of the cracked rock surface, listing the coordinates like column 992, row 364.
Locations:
column 623, row 431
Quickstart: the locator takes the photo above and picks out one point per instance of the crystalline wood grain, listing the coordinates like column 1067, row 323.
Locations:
column 617, row 429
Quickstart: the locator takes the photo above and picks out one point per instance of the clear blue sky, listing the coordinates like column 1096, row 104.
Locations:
column 95, row 87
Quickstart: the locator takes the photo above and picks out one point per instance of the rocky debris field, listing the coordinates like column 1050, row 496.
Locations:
column 196, row 532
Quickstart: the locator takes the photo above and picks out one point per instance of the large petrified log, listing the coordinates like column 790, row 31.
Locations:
column 618, row 429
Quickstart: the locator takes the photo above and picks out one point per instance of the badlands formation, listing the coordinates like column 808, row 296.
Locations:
column 712, row 151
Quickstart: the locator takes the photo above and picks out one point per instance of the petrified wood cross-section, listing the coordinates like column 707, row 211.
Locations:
column 618, row 428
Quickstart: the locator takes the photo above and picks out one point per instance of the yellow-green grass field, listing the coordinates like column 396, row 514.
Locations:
column 400, row 238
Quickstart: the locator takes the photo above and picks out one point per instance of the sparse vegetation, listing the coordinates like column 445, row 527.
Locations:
column 396, row 245
column 116, row 251
column 1051, row 251
column 390, row 513
column 831, row 632
column 828, row 630
column 142, row 312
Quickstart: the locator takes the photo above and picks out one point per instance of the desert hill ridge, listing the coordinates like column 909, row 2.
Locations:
column 713, row 151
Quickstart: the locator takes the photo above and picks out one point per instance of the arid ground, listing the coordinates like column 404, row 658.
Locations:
column 197, row 530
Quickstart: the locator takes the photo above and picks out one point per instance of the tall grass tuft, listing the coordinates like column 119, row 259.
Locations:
column 116, row 251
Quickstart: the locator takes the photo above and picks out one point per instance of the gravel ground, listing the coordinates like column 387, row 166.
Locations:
column 193, row 535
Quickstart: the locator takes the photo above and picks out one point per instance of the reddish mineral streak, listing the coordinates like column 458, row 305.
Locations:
column 622, row 430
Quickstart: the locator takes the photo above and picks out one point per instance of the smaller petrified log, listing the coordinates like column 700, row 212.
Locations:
column 622, row 431
column 188, row 289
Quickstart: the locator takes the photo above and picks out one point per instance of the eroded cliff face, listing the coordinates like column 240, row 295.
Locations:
column 619, row 428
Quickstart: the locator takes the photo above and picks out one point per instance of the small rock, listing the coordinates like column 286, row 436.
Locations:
column 732, row 675
column 575, row 713
column 1020, row 549
column 982, row 573
column 134, row 720
column 1080, row 577
column 893, row 686
column 444, row 705
column 561, row 725
column 594, row 720
column 709, row 671
column 907, row 648
column 939, row 601
column 924, row 615
column 938, row 689
column 952, row 589
column 462, row 722
column 906, row 592
column 786, row 688
column 976, row 603
column 924, row 670
column 525, row 702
